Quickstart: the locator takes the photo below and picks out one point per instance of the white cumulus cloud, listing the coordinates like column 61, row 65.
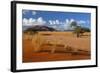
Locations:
column 57, row 21
column 81, row 22
column 25, row 11
column 26, row 22
column 54, row 22
column 54, row 26
column 50, row 22
column 32, row 22
column 40, row 20
column 34, row 13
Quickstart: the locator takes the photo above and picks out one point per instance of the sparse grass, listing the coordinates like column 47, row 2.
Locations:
column 60, row 42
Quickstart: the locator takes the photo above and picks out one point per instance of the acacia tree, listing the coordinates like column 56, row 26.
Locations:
column 76, row 28
column 77, row 31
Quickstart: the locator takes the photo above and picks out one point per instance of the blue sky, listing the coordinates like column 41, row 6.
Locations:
column 58, row 20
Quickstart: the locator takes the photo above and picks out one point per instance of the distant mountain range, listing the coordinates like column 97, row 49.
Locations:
column 46, row 28
column 39, row 28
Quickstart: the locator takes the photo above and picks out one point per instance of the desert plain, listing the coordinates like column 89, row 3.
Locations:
column 47, row 46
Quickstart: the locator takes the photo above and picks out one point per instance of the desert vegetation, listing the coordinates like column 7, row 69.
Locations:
column 53, row 45
column 79, row 30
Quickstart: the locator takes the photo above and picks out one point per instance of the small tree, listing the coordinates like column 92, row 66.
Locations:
column 77, row 31
column 76, row 28
column 73, row 24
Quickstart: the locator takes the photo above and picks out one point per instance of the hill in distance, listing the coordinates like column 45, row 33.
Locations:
column 40, row 28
